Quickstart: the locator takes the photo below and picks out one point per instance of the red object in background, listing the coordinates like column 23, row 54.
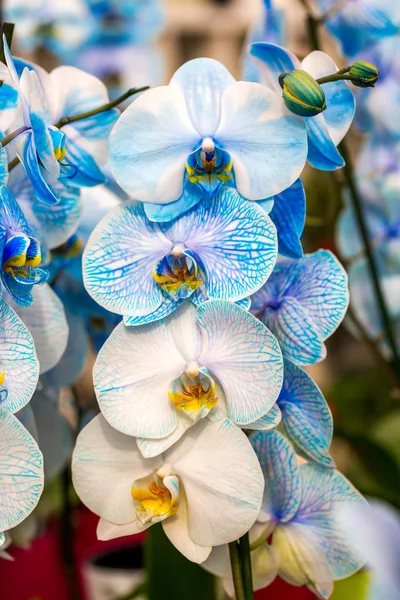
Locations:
column 39, row 573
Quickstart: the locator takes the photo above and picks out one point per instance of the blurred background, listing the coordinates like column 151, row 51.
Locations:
column 131, row 43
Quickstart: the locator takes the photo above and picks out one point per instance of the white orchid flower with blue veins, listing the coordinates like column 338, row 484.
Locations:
column 214, row 129
column 156, row 381
column 212, row 472
column 224, row 248
column 298, row 534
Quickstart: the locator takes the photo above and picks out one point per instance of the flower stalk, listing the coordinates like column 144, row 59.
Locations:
column 234, row 554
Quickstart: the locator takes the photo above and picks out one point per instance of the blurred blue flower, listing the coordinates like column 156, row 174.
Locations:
column 327, row 129
column 223, row 248
column 302, row 303
column 357, row 24
column 212, row 127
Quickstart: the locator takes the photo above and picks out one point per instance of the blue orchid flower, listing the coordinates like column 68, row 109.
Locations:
column 214, row 128
column 20, row 252
column 223, row 248
column 19, row 366
column 306, row 417
column 21, row 472
column 47, row 152
column 326, row 130
column 302, row 303
column 383, row 222
column 360, row 23
column 298, row 535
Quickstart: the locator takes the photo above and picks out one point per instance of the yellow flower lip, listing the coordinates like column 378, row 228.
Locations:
column 194, row 392
column 2, row 377
column 154, row 499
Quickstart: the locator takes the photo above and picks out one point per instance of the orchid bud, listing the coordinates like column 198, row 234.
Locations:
column 303, row 96
column 367, row 73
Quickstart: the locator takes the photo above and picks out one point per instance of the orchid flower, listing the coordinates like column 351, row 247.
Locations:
column 20, row 252
column 47, row 152
column 299, row 516
column 156, row 381
column 214, row 128
column 21, row 473
column 327, row 129
column 360, row 23
column 302, row 303
column 211, row 473
column 223, row 248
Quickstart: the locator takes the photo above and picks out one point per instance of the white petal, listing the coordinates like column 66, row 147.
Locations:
column 109, row 531
column 221, row 475
column 176, row 529
column 105, row 463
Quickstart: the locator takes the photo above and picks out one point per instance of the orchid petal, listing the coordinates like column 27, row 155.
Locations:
column 272, row 60
column 177, row 531
column 289, row 215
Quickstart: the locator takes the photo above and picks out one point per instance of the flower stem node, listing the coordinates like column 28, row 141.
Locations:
column 302, row 94
column 367, row 73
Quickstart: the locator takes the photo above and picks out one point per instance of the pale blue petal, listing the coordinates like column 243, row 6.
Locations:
column 323, row 491
column 272, row 61
column 3, row 167
column 245, row 303
column 244, row 356
column 268, row 146
column 84, row 169
column 166, row 307
column 46, row 321
column 201, row 81
column 306, row 418
column 192, row 194
column 348, row 236
column 289, row 216
column 21, row 472
column 282, row 493
column 19, row 361
column 298, row 336
column 73, row 361
column 319, row 283
column 149, row 145
column 234, row 240
column 44, row 191
column 119, row 259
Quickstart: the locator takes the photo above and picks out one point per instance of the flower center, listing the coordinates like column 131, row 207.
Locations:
column 21, row 254
column 193, row 393
column 209, row 166
column 156, row 497
column 178, row 273
column 3, row 392
column 58, row 139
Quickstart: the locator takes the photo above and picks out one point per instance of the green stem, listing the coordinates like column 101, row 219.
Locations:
column 341, row 77
column 13, row 163
column 100, row 109
column 245, row 564
column 11, row 136
column 234, row 554
column 372, row 264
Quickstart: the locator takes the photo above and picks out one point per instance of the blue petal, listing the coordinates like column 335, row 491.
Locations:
column 15, row 249
column 323, row 492
column 21, row 471
column 268, row 421
column 348, row 236
column 3, row 167
column 44, row 191
column 18, row 356
column 234, row 241
column 202, row 81
column 160, row 213
column 322, row 152
column 87, row 173
column 289, row 216
column 253, row 119
column 306, row 418
column 282, row 494
column 275, row 60
column 12, row 218
column 8, row 97
column 119, row 259
column 245, row 303
column 299, row 338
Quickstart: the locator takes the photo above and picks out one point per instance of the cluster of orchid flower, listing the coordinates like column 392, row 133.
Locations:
column 208, row 422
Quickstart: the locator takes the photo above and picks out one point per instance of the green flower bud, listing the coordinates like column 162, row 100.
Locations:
column 302, row 94
column 367, row 73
